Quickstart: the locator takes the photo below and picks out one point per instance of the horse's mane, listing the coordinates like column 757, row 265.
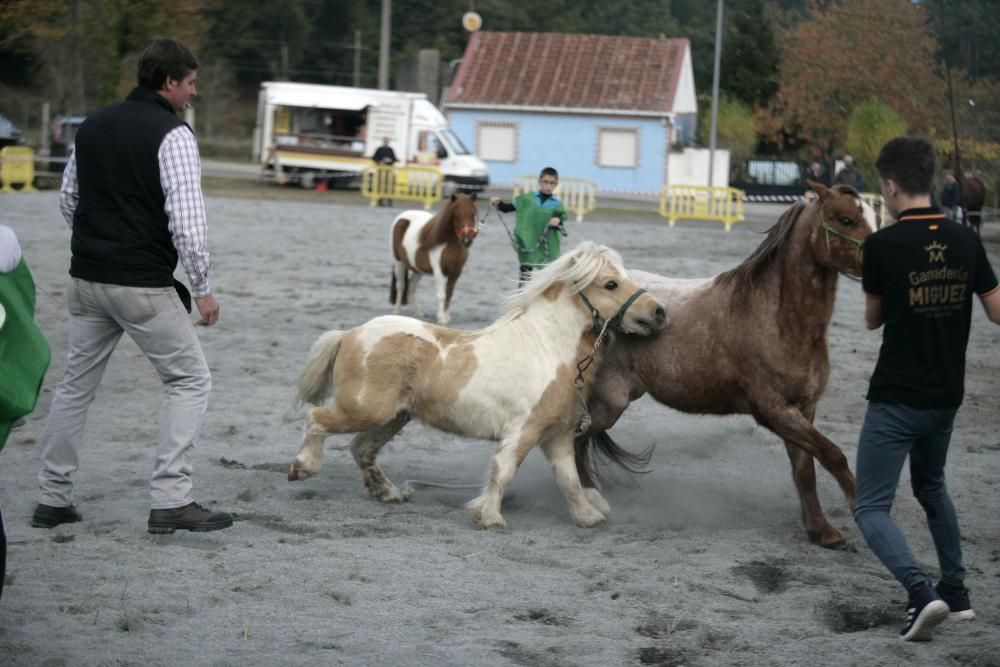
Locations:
column 742, row 278
column 439, row 230
column 578, row 268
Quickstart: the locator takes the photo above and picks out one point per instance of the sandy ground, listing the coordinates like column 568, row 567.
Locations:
column 705, row 563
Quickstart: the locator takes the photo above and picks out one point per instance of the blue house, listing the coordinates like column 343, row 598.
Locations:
column 612, row 110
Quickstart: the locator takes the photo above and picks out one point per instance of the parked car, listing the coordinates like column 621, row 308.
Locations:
column 9, row 134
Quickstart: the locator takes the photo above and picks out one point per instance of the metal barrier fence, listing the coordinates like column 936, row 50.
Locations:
column 421, row 184
column 876, row 202
column 695, row 202
column 578, row 195
column 17, row 167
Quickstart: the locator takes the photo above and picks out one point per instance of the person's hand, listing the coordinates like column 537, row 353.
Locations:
column 494, row 200
column 555, row 222
column 209, row 310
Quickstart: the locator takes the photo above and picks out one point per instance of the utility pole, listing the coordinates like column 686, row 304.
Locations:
column 357, row 58
column 954, row 137
column 385, row 35
column 715, row 94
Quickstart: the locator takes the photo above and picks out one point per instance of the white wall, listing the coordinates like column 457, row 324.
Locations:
column 690, row 167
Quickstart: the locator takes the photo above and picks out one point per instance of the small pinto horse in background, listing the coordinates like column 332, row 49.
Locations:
column 751, row 340
column 438, row 245
column 483, row 384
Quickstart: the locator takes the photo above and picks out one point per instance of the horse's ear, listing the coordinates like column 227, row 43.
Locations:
column 818, row 188
column 454, row 196
column 472, row 195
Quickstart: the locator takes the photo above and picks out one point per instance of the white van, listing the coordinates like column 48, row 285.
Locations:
column 309, row 133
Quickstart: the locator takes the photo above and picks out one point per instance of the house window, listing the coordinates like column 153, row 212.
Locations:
column 496, row 142
column 617, row 147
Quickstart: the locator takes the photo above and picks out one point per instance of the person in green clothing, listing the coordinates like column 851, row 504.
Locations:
column 24, row 353
column 539, row 223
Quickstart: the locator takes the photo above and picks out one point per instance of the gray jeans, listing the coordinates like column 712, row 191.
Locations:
column 155, row 319
column 890, row 435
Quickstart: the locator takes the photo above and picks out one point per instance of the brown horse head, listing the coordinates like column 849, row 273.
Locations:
column 463, row 215
column 842, row 221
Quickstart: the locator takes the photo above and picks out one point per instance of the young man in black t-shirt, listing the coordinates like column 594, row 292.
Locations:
column 919, row 276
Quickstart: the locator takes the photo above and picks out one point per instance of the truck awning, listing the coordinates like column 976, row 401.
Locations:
column 310, row 100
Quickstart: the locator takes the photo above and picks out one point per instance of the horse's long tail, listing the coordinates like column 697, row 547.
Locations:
column 316, row 380
column 599, row 447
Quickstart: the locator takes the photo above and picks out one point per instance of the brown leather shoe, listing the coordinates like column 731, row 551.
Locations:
column 46, row 516
column 191, row 517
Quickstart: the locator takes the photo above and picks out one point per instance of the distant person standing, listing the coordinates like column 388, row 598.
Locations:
column 850, row 175
column 132, row 193
column 816, row 174
column 919, row 277
column 385, row 156
column 538, row 225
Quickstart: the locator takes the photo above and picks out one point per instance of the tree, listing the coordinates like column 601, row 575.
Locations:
column 736, row 130
column 969, row 34
column 750, row 55
column 79, row 47
column 846, row 52
column 871, row 124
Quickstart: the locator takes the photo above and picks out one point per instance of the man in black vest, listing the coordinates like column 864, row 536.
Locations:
column 132, row 193
column 919, row 278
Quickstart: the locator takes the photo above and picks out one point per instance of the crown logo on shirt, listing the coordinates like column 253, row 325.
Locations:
column 935, row 251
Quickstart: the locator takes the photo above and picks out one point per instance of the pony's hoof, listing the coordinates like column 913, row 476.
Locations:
column 595, row 498
column 590, row 520
column 293, row 473
column 496, row 523
column 832, row 539
column 394, row 497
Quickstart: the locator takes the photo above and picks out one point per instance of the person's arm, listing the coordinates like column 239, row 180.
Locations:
column 991, row 304
column 873, row 311
column 69, row 193
column 180, row 177
column 502, row 206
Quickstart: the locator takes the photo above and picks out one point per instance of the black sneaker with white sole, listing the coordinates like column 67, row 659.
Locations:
column 957, row 600
column 191, row 517
column 924, row 611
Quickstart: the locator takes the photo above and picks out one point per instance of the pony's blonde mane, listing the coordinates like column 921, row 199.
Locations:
column 577, row 268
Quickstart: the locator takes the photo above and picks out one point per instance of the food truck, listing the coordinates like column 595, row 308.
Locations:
column 310, row 134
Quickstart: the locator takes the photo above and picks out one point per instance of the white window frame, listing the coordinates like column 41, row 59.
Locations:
column 484, row 149
column 624, row 159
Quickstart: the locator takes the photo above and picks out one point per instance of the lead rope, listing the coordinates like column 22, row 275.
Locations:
column 601, row 329
column 584, row 424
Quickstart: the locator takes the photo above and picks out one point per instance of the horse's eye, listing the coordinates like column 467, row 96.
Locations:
column 611, row 285
column 845, row 221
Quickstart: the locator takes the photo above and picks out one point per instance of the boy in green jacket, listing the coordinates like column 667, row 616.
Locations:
column 540, row 217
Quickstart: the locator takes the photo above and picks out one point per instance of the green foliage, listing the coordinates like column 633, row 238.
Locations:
column 871, row 124
column 736, row 130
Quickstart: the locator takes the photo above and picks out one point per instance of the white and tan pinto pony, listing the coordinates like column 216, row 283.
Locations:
column 438, row 244
column 512, row 382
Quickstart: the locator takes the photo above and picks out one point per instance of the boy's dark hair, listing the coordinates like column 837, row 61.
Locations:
column 549, row 171
column 909, row 161
column 164, row 58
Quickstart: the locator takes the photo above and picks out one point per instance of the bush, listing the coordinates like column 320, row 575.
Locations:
column 871, row 124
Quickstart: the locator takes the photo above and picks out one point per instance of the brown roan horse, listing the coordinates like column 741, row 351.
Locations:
column 438, row 245
column 973, row 198
column 751, row 340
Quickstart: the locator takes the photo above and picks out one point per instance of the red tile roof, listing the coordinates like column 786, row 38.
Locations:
column 569, row 71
